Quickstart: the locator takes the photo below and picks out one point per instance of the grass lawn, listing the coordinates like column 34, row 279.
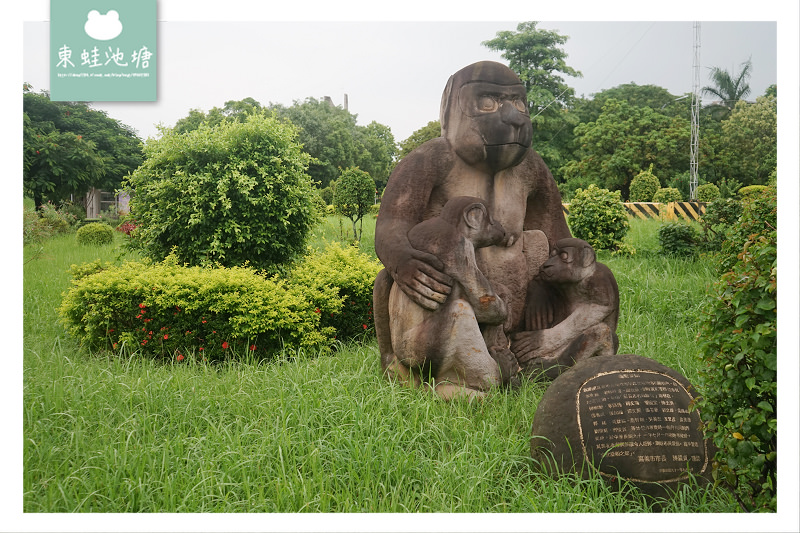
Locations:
column 314, row 434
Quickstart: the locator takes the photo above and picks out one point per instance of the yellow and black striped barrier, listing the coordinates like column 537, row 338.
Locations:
column 670, row 211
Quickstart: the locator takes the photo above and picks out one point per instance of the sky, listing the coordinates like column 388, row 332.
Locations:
column 393, row 72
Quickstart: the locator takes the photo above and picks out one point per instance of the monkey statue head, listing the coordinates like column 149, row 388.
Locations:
column 484, row 116
column 472, row 217
column 571, row 261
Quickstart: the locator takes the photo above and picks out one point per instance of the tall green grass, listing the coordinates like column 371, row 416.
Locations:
column 306, row 433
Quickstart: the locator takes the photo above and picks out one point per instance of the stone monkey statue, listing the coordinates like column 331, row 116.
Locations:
column 484, row 152
column 576, row 315
column 472, row 316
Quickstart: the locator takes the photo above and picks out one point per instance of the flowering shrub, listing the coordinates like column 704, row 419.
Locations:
column 166, row 309
column 339, row 281
column 127, row 227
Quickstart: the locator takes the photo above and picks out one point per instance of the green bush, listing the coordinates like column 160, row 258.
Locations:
column 231, row 194
column 707, row 192
column 166, row 309
column 679, row 239
column 339, row 282
column 643, row 186
column 751, row 190
column 720, row 215
column 45, row 222
column 728, row 187
column 599, row 217
column 95, row 234
column 681, row 182
column 738, row 340
column 666, row 195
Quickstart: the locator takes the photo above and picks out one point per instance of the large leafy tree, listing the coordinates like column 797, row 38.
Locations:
column 331, row 135
column 379, row 151
column 537, row 56
column 624, row 141
column 431, row 130
column 69, row 147
column 749, row 140
column 652, row 96
column 233, row 110
column 728, row 88
column 328, row 133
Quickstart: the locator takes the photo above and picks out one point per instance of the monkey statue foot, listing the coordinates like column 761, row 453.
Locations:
column 447, row 390
column 509, row 367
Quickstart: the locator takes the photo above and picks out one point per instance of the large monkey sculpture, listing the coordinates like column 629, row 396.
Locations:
column 575, row 315
column 473, row 315
column 484, row 152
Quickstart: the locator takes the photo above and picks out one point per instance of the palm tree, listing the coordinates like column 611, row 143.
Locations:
column 727, row 88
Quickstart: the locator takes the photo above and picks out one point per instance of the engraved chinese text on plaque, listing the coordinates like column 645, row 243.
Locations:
column 639, row 417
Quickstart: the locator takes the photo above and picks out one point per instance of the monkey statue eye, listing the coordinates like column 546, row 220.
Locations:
column 564, row 256
column 487, row 103
column 519, row 104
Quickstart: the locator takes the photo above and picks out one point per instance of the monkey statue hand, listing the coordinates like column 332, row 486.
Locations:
column 545, row 344
column 420, row 275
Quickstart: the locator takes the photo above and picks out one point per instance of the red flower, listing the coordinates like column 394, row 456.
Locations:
column 180, row 357
column 252, row 347
column 316, row 310
column 166, row 335
column 365, row 326
column 225, row 345
column 142, row 306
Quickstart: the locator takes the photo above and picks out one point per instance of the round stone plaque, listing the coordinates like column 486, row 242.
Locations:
column 622, row 417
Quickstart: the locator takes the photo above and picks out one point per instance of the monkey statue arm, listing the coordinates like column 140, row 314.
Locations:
column 544, row 210
column 529, row 344
column 419, row 274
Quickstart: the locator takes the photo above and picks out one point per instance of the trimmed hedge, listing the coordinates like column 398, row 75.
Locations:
column 666, row 195
column 644, row 186
column 598, row 217
column 707, row 192
column 169, row 310
column 95, row 234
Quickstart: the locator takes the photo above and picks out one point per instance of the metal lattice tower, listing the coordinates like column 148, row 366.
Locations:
column 694, row 143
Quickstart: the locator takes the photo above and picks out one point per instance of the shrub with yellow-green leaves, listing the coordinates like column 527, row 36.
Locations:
column 170, row 310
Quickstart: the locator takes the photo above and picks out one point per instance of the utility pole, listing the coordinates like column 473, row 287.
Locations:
column 694, row 143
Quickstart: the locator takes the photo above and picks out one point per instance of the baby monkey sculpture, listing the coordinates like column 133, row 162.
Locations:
column 576, row 314
column 469, row 365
